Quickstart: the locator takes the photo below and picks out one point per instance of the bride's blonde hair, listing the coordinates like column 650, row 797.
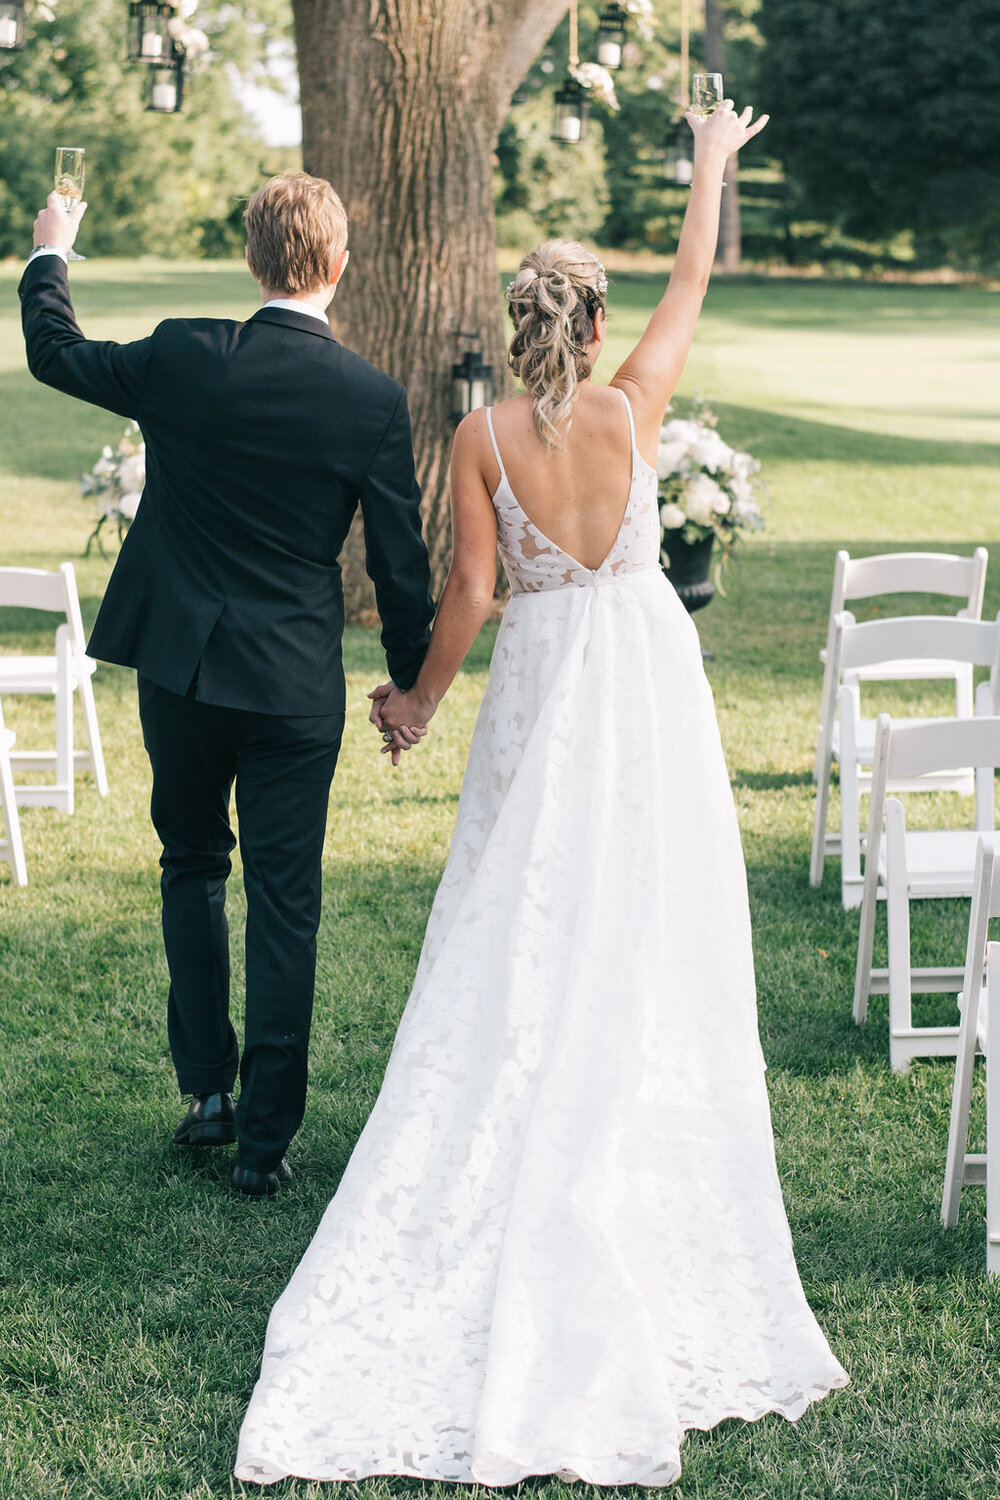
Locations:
column 554, row 299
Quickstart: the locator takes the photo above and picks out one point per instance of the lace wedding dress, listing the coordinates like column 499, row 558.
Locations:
column 560, row 1241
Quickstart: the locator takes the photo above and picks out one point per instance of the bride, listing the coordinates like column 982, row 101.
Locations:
column 560, row 1241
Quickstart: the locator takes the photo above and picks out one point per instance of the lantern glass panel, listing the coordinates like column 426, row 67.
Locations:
column 611, row 37
column 569, row 117
column 166, row 88
column 11, row 25
column 680, row 162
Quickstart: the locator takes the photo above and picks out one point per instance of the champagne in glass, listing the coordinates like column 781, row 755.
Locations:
column 706, row 94
column 70, row 178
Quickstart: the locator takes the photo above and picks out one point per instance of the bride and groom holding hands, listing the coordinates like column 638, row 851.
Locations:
column 560, row 1241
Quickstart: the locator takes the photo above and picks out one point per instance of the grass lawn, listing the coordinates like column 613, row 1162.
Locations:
column 135, row 1290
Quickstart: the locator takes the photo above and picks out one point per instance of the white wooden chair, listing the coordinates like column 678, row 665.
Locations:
column 942, row 573
column 11, row 847
column 66, row 672
column 980, row 1006
column 849, row 739
column 920, row 865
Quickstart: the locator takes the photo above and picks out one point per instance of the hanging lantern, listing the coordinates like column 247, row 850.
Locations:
column 611, row 32
column 148, row 34
column 165, row 89
column 569, row 117
column 680, row 156
column 12, row 25
column 471, row 384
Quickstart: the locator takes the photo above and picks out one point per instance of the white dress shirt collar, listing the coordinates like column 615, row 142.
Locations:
column 288, row 304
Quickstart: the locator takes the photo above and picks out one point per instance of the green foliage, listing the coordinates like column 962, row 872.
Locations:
column 548, row 189
column 135, row 1291
column 886, row 117
column 156, row 184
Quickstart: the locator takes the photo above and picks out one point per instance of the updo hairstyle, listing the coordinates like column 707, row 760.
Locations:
column 553, row 302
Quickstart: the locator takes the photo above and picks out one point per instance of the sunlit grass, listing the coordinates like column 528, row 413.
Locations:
column 135, row 1291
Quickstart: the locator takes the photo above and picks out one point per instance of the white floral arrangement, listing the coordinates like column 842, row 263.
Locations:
column 597, row 81
column 642, row 13
column 116, row 482
column 706, row 488
column 190, row 39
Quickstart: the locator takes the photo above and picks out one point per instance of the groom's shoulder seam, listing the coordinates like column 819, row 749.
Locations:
column 359, row 365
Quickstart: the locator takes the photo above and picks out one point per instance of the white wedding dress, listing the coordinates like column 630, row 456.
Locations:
column 560, row 1241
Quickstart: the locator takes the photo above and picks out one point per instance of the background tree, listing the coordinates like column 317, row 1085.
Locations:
column 887, row 117
column 402, row 102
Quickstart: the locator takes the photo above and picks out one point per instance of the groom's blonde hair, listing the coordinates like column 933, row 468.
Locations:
column 296, row 231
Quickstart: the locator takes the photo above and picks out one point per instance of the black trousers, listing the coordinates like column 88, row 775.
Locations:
column 282, row 768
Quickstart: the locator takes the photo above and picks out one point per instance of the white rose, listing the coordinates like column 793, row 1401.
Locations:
column 672, row 517
column 129, row 504
column 677, row 430
column 186, row 8
column 748, row 513
column 671, row 458
column 710, row 451
column 704, row 499
column 132, row 473
column 741, row 465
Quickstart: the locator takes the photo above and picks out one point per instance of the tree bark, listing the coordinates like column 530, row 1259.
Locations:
column 727, row 254
column 402, row 101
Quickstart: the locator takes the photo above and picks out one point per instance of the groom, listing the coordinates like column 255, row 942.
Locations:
column 262, row 437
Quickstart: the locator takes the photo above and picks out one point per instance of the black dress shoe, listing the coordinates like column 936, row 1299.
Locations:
column 210, row 1121
column 250, row 1184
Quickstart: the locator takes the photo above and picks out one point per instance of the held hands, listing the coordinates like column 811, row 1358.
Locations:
column 400, row 717
column 54, row 226
column 723, row 132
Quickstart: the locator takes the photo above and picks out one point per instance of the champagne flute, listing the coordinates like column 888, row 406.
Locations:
column 706, row 94
column 70, row 178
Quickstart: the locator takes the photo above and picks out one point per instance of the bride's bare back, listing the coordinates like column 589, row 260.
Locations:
column 577, row 495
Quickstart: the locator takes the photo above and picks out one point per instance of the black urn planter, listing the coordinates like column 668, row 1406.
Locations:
column 690, row 565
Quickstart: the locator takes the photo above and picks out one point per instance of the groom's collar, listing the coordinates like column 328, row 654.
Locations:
column 278, row 311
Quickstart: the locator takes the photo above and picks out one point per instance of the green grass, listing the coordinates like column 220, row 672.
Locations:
column 135, row 1291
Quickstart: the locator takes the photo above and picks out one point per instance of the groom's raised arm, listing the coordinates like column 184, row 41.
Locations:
column 105, row 373
column 395, row 554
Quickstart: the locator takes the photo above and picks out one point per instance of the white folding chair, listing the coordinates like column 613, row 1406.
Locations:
column 942, row 573
column 980, row 1007
column 920, row 865
column 11, row 847
column 849, row 739
column 67, row 672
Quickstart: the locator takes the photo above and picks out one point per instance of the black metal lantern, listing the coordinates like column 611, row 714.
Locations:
column 471, row 383
column 569, row 116
column 12, row 25
column 148, row 31
column 680, row 156
column 165, row 88
column 612, row 28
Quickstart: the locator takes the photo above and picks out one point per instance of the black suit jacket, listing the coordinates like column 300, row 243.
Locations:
column 261, row 439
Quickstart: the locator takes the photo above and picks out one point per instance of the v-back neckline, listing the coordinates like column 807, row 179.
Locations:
column 633, row 476
column 575, row 561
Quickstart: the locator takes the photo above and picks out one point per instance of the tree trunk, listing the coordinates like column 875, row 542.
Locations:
column 401, row 104
column 727, row 254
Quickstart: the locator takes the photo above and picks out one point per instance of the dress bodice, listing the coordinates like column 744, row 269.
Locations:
column 533, row 562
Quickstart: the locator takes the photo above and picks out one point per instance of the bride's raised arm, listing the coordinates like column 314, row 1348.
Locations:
column 650, row 373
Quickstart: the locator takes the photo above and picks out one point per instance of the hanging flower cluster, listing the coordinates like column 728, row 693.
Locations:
column 190, row 39
column 598, row 81
column 705, row 486
column 642, row 13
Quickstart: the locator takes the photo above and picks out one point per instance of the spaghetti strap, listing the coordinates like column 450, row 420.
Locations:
column 493, row 440
column 628, row 408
